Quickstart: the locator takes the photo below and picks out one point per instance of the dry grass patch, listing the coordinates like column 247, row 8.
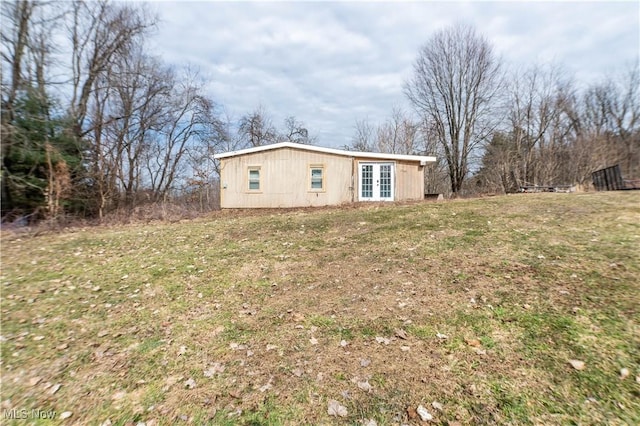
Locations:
column 264, row 317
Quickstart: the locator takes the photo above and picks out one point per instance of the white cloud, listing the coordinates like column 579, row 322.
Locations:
column 332, row 63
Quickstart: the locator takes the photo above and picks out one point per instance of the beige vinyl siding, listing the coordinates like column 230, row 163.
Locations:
column 285, row 179
column 409, row 181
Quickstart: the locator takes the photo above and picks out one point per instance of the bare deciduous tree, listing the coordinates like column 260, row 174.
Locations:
column 455, row 81
column 98, row 32
column 296, row 131
column 203, row 184
column 257, row 128
column 398, row 134
column 189, row 120
column 537, row 102
column 15, row 33
column 362, row 139
column 16, row 26
column 625, row 114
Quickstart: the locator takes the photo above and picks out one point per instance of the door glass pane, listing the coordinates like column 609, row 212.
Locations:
column 367, row 180
column 385, row 181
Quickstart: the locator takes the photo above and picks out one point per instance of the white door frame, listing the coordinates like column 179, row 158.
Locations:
column 376, row 181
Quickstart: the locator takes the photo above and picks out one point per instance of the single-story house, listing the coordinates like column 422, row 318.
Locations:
column 288, row 174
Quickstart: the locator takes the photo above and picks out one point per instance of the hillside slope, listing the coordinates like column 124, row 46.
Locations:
column 472, row 309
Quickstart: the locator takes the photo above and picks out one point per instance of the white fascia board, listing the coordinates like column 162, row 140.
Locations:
column 421, row 158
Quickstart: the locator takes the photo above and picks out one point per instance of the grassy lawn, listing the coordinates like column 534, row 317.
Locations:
column 262, row 318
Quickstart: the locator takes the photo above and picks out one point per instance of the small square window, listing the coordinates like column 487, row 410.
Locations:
column 317, row 178
column 254, row 179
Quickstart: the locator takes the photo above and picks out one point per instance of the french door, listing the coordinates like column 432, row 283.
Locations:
column 376, row 182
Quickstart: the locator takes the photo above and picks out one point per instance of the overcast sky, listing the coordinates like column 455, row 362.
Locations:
column 331, row 63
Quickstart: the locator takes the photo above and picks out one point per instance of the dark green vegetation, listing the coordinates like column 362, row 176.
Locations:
column 263, row 317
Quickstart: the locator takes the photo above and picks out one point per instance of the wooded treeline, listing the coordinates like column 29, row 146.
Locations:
column 494, row 130
column 93, row 124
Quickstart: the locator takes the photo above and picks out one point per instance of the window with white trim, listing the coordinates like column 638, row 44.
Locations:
column 316, row 177
column 254, row 178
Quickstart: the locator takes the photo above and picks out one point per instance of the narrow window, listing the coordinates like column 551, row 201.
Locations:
column 317, row 177
column 254, row 178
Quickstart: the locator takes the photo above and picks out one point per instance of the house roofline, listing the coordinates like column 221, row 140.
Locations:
column 423, row 159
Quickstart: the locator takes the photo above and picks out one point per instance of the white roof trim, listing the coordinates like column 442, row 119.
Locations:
column 423, row 159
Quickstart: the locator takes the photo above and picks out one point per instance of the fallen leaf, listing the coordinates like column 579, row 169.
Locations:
column 182, row 350
column 401, row 333
column 119, row 395
column 55, row 388
column 424, row 414
column 212, row 413
column 190, row 383
column 364, row 362
column 214, row 369
column 405, row 348
column 624, row 373
column 441, row 336
column 370, row 422
column 411, row 413
column 237, row 347
column 473, row 342
column 313, row 341
column 343, row 343
column 103, row 333
column 365, row 386
column 65, row 415
column 35, row 380
column 172, row 380
column 266, row 387
column 578, row 365
column 437, row 405
column 335, row 409
column 384, row 340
